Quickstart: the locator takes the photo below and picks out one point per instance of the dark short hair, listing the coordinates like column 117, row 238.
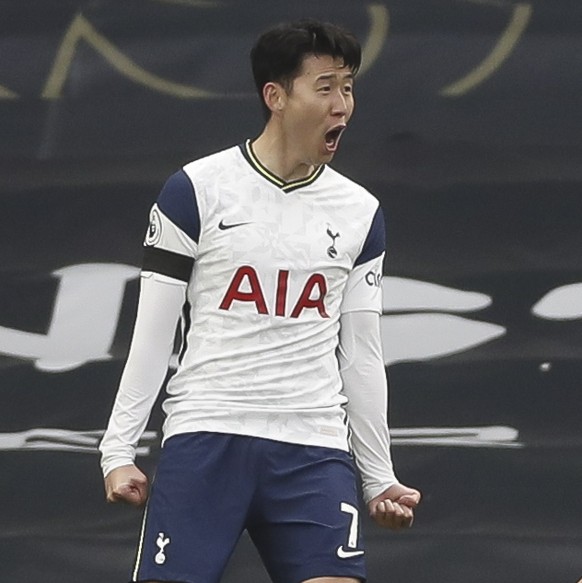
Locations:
column 279, row 52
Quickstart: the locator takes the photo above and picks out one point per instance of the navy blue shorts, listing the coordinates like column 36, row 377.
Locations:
column 298, row 503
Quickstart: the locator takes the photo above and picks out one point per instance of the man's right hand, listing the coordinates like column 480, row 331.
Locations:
column 126, row 484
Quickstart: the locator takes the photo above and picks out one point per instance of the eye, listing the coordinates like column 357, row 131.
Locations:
column 325, row 88
column 348, row 88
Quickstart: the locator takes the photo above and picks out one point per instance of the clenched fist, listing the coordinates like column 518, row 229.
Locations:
column 394, row 508
column 127, row 484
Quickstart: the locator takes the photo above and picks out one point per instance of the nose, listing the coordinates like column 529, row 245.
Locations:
column 340, row 105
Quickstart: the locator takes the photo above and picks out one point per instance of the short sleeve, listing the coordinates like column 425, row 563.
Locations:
column 375, row 243
column 171, row 241
column 363, row 291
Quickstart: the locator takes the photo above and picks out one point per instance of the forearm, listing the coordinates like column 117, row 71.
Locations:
column 159, row 306
column 365, row 385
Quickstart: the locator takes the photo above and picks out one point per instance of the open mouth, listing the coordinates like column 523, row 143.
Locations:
column 332, row 138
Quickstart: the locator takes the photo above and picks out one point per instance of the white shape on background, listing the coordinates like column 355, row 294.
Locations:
column 489, row 436
column 84, row 319
column 562, row 303
column 426, row 335
column 64, row 440
column 416, row 337
column 400, row 294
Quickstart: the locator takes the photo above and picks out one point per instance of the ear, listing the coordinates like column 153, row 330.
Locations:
column 275, row 96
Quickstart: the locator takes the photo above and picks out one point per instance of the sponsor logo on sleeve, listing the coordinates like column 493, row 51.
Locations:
column 154, row 233
column 373, row 279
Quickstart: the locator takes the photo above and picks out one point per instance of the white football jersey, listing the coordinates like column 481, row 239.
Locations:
column 270, row 268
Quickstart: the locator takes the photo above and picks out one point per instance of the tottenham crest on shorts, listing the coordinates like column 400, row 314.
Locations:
column 162, row 543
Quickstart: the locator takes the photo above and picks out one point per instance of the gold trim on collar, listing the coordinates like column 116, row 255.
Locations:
column 285, row 186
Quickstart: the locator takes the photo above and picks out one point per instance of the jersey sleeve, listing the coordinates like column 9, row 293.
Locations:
column 365, row 385
column 159, row 306
column 363, row 291
column 171, row 241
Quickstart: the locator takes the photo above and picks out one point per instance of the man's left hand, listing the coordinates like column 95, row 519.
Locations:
column 394, row 508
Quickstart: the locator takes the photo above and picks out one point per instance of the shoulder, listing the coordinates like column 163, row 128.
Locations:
column 366, row 214
column 187, row 183
column 182, row 198
column 181, row 183
column 350, row 188
column 358, row 202
column 213, row 165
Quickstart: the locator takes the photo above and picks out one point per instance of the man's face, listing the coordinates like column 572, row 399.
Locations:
column 318, row 108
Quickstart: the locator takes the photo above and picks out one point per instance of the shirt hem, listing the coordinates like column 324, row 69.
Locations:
column 314, row 439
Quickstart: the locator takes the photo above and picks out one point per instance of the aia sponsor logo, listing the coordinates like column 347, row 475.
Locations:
column 245, row 286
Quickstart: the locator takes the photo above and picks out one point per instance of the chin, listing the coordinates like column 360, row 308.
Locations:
column 327, row 157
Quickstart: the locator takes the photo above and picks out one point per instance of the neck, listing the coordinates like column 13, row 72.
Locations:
column 277, row 153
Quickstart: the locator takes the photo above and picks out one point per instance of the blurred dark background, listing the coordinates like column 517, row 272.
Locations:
column 468, row 129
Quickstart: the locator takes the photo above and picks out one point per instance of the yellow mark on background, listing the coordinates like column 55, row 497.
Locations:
column 7, row 94
column 81, row 29
column 380, row 20
column 501, row 51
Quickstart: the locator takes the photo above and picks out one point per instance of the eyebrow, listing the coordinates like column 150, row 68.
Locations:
column 330, row 76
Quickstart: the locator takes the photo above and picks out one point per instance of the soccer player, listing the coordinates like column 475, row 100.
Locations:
column 274, row 262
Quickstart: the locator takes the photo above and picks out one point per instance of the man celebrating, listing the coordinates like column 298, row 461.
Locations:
column 274, row 262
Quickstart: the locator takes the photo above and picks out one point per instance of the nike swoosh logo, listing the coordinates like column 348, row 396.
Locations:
column 343, row 554
column 223, row 226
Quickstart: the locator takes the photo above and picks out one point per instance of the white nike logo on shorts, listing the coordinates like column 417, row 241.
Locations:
column 343, row 554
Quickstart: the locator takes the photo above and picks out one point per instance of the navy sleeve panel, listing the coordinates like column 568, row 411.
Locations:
column 178, row 202
column 375, row 243
column 167, row 263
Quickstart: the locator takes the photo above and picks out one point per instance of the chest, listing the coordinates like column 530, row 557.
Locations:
column 268, row 228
